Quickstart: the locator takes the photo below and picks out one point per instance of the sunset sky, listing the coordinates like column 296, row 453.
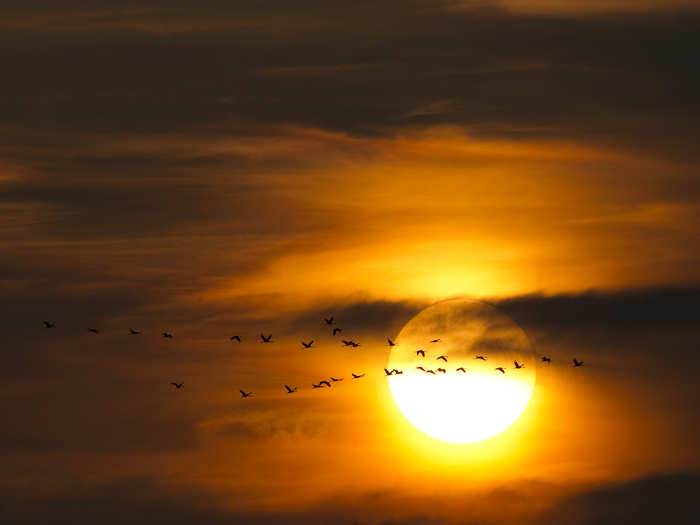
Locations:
column 244, row 167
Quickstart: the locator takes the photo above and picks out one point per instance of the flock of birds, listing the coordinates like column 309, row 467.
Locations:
column 335, row 330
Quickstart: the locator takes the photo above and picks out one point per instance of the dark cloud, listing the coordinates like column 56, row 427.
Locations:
column 660, row 499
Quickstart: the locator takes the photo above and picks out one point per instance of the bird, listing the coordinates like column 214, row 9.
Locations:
column 267, row 339
column 324, row 382
column 335, row 380
column 518, row 365
column 430, row 372
column 49, row 324
column 236, row 338
column 93, row 330
column 397, row 372
column 329, row 320
column 442, row 370
column 134, row 332
column 346, row 343
column 177, row 385
column 167, row 335
column 435, row 340
column 442, row 357
column 500, row 369
column 546, row 359
column 578, row 363
column 357, row 376
column 480, row 357
column 354, row 344
column 388, row 372
column 245, row 394
column 337, row 330
column 307, row 345
column 420, row 352
column 420, row 368
column 461, row 369
column 290, row 390
column 391, row 343
column 317, row 386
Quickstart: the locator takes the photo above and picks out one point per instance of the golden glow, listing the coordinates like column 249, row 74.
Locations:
column 456, row 406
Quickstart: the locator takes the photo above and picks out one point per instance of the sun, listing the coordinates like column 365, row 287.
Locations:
column 457, row 406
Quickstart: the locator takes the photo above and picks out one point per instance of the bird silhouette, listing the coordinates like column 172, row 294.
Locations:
column 236, row 338
column 167, row 335
column 500, row 369
column 134, row 332
column 480, row 357
column 420, row 352
column 578, row 363
column 435, row 340
column 396, row 372
column 346, row 343
column 267, row 339
column 307, row 345
column 324, row 382
column 518, row 366
column 245, row 394
column 420, row 368
column 93, row 330
column 357, row 376
column 290, row 390
column 329, row 320
column 177, row 385
column 442, row 370
column 335, row 380
column 546, row 359
column 388, row 372
column 442, row 357
column 337, row 330
column 391, row 343
column 49, row 324
column 461, row 369
column 317, row 386
column 430, row 372
column 354, row 344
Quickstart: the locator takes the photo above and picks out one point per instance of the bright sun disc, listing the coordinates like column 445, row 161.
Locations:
column 454, row 406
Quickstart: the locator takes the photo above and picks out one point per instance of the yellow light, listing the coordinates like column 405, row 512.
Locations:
column 455, row 406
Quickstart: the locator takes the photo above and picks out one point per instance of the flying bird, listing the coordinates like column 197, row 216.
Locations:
column 329, row 320
column 420, row 368
column 167, row 335
column 420, row 352
column 388, row 372
column 518, row 365
column 461, row 369
column 290, row 390
column 396, row 372
column 480, row 357
column 93, row 330
column 335, row 380
column 236, row 338
column 443, row 358
column 500, row 369
column 337, row 330
column 346, row 343
column 391, row 343
column 134, row 332
column 49, row 324
column 354, row 344
column 546, row 359
column 357, row 376
column 267, row 339
column 435, row 340
column 307, row 345
column 578, row 363
column 317, row 386
column 177, row 385
column 442, row 370
column 324, row 382
column 430, row 372
column 245, row 394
